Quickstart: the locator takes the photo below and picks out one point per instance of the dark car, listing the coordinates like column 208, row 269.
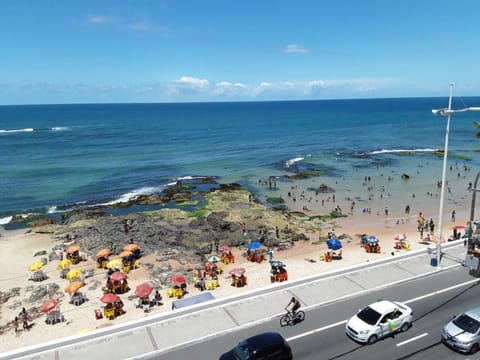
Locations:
column 270, row 345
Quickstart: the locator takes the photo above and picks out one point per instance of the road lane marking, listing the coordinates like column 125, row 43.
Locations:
column 311, row 332
column 412, row 339
column 441, row 291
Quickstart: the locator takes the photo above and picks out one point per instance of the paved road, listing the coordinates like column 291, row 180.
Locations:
column 165, row 333
column 434, row 299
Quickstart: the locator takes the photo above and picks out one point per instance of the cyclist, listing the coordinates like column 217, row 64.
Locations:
column 295, row 305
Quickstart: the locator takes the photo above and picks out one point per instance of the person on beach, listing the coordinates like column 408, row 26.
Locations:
column 24, row 316
column 15, row 324
column 453, row 215
column 244, row 228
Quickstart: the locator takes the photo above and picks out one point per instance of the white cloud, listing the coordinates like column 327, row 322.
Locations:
column 102, row 19
column 295, row 48
column 147, row 25
column 192, row 82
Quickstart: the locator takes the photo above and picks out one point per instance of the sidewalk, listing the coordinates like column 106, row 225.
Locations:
column 167, row 331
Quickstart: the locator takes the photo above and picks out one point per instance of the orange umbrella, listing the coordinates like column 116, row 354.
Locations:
column 131, row 247
column 73, row 248
column 73, row 287
column 125, row 253
column 49, row 305
column 109, row 298
column 143, row 290
column 104, row 253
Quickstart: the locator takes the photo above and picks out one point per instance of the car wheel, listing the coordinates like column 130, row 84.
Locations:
column 405, row 327
column 474, row 348
column 372, row 339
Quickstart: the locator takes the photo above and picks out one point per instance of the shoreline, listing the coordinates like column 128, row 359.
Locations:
column 17, row 248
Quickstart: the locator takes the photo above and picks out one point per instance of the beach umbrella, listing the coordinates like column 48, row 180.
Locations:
column 143, row 290
column 49, row 305
column 459, row 227
column 131, row 247
column 36, row 266
column 115, row 263
column 372, row 240
column 400, row 237
column 178, row 279
column 104, row 253
column 224, row 248
column 64, row 264
column 74, row 273
column 73, row 248
column 214, row 259
column 277, row 264
column 109, row 298
column 237, row 271
column 334, row 244
column 125, row 253
column 118, row 276
column 254, row 245
column 73, row 287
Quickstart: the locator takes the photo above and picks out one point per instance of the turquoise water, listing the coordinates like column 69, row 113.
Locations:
column 59, row 156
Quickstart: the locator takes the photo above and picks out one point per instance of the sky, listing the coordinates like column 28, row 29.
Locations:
column 109, row 51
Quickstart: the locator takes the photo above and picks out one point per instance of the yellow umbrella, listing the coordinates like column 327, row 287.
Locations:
column 74, row 273
column 36, row 266
column 112, row 264
column 64, row 264
column 73, row 287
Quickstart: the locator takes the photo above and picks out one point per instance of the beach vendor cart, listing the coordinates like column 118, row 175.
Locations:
column 372, row 245
column 113, row 307
column 401, row 242
column 226, row 255
column 179, row 286
column 102, row 258
column 117, row 282
column 278, row 272
column 238, row 277
column 73, row 254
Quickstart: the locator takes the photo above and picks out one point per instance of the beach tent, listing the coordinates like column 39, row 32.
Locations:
column 205, row 296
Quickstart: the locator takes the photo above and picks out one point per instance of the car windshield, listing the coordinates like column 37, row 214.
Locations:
column 466, row 323
column 369, row 315
column 242, row 351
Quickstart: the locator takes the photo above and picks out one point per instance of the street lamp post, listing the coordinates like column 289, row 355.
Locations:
column 447, row 113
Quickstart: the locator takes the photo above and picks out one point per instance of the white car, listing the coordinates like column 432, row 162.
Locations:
column 378, row 320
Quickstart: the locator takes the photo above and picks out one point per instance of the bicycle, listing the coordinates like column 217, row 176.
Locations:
column 289, row 319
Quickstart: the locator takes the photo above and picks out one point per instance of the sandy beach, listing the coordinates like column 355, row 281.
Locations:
column 385, row 219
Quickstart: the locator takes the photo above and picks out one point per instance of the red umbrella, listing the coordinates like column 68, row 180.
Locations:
column 224, row 249
column 109, row 298
column 49, row 305
column 118, row 276
column 178, row 279
column 143, row 290
column 400, row 237
column 237, row 271
column 459, row 227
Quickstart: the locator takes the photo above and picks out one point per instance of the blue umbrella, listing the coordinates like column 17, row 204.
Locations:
column 334, row 244
column 373, row 240
column 254, row 245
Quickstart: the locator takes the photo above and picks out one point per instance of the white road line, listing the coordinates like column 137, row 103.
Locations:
column 441, row 291
column 412, row 339
column 311, row 332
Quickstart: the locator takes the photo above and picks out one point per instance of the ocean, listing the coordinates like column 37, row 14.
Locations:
column 57, row 157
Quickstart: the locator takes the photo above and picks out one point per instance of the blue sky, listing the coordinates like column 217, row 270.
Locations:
column 93, row 51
